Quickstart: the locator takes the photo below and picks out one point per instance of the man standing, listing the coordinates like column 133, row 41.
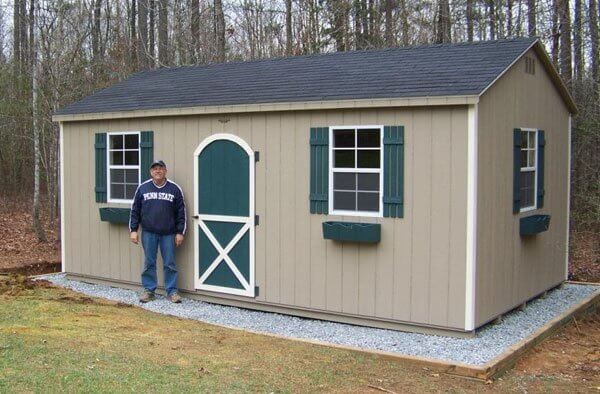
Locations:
column 158, row 206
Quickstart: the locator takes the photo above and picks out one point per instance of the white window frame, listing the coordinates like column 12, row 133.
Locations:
column 379, row 170
column 132, row 167
column 533, row 169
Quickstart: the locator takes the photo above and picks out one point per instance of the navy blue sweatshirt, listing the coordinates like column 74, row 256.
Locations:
column 159, row 210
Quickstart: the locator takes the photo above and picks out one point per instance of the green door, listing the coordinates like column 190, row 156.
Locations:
column 224, row 205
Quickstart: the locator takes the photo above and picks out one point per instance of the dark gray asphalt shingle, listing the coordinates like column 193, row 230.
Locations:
column 435, row 70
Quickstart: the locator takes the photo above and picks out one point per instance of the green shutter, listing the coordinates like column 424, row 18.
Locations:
column 393, row 171
column 319, row 168
column 147, row 154
column 516, row 170
column 100, row 149
column 540, row 168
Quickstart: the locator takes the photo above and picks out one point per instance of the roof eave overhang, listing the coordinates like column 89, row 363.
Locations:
column 272, row 107
column 554, row 75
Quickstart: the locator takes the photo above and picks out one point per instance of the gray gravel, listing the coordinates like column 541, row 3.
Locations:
column 488, row 343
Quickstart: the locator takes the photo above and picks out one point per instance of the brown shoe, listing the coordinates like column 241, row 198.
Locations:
column 174, row 298
column 147, row 296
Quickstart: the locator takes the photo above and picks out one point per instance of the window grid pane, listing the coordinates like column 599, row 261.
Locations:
column 124, row 152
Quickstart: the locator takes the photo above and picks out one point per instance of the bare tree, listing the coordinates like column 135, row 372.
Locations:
column 288, row 27
column 219, row 29
column 564, row 13
column 163, row 37
column 151, row 31
column 594, row 53
column 491, row 6
column 578, row 42
column 133, row 34
column 509, row 18
column 142, row 43
column 555, row 33
column 195, row 29
column 443, row 22
column 531, row 18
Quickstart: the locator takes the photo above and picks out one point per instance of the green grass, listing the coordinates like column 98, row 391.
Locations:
column 53, row 340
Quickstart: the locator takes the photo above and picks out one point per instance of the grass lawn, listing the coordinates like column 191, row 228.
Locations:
column 52, row 340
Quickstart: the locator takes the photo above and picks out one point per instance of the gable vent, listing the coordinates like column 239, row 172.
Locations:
column 529, row 65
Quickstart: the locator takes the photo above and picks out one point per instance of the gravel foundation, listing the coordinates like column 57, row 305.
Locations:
column 488, row 342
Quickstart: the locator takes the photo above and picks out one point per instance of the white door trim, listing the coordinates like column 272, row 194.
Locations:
column 248, row 226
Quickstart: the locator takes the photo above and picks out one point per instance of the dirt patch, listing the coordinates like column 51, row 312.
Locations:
column 584, row 264
column 20, row 251
column 14, row 284
column 573, row 353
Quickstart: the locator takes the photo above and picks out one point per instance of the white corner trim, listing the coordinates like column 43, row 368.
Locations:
column 61, row 140
column 471, row 251
column 568, row 200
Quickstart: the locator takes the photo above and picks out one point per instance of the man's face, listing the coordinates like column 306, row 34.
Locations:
column 158, row 173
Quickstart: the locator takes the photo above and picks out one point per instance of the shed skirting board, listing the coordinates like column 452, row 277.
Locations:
column 240, row 302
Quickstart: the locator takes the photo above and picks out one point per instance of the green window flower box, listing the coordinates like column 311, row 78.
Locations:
column 352, row 232
column 115, row 215
column 535, row 224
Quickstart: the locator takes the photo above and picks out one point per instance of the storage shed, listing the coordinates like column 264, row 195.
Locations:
column 422, row 188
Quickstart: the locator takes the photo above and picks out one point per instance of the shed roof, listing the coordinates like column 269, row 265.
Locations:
column 461, row 69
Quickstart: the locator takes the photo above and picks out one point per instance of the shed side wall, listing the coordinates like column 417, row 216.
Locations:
column 511, row 269
column 415, row 274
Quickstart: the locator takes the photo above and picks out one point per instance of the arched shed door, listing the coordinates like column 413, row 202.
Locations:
column 224, row 215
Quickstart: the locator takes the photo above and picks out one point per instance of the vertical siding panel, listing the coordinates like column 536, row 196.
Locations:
column 403, row 227
column 458, row 214
column 258, row 128
column 185, row 254
column 341, row 278
column 95, row 225
column 273, row 202
column 78, row 203
column 441, row 178
column 422, row 217
column 302, row 261
column 70, row 186
column 86, row 215
column 383, row 262
column 288, row 196
column 367, row 256
column 102, row 246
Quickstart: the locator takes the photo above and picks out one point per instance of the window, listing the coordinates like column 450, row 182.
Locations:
column 123, row 165
column 530, row 65
column 355, row 170
column 528, row 181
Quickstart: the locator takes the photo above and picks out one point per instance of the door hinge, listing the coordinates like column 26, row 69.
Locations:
column 256, row 156
column 256, row 291
column 256, row 220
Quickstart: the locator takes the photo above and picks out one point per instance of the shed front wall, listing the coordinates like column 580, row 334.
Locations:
column 511, row 269
column 415, row 274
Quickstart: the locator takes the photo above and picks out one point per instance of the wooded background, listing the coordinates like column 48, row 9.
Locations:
column 54, row 52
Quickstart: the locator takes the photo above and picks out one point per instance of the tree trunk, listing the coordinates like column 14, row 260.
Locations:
column 577, row 42
column 566, row 70
column 17, row 39
column 37, row 225
column 143, row 33
column 195, row 30
column 358, row 40
column 531, row 18
column 555, row 33
column 24, row 41
column 492, row 18
column 389, row 23
column 443, row 22
column 151, row 30
column 133, row 35
column 404, row 22
column 96, row 30
column 509, row 18
column 219, row 29
column 163, row 37
column 288, row 27
column 339, row 12
column 594, row 53
column 469, row 12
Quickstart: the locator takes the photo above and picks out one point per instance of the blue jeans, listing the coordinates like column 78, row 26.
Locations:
column 150, row 243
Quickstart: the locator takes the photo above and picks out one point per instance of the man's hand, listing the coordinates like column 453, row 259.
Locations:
column 178, row 239
column 133, row 236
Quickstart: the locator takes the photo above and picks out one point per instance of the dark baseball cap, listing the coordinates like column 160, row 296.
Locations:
column 158, row 163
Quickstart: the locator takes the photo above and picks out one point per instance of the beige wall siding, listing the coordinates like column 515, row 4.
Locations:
column 511, row 269
column 415, row 274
